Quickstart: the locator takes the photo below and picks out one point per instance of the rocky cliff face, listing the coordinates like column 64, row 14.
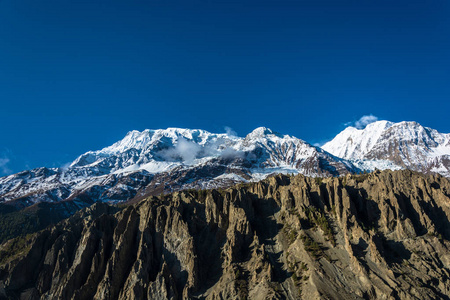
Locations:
column 383, row 235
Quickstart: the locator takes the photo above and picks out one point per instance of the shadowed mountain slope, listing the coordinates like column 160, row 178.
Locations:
column 383, row 235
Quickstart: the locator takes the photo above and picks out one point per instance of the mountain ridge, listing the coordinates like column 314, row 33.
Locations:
column 176, row 225
column 388, row 145
column 151, row 162
column 175, row 158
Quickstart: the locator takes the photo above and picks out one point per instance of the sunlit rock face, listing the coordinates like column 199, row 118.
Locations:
column 383, row 235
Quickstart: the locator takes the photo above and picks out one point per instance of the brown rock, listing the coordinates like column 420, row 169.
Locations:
column 383, row 235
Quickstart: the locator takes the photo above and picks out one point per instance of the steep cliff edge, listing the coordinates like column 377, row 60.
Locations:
column 383, row 235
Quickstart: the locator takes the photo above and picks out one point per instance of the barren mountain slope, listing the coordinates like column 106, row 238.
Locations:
column 383, row 235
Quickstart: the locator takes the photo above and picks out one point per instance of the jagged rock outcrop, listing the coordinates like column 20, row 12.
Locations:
column 383, row 235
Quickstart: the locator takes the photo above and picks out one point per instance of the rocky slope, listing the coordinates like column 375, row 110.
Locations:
column 387, row 145
column 383, row 235
column 155, row 161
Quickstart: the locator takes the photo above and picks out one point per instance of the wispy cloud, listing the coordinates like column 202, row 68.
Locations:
column 363, row 121
column 229, row 131
column 65, row 166
column 188, row 151
column 185, row 150
column 230, row 153
column 4, row 170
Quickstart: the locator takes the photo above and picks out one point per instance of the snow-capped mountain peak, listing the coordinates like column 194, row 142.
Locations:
column 390, row 145
column 140, row 140
column 147, row 145
column 154, row 161
column 261, row 132
column 354, row 143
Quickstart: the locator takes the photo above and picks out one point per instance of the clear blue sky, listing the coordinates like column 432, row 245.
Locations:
column 78, row 75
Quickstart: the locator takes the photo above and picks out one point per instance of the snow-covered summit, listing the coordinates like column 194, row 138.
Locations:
column 163, row 160
column 142, row 146
column 153, row 161
column 142, row 139
column 354, row 143
column 384, row 144
column 165, row 149
column 262, row 132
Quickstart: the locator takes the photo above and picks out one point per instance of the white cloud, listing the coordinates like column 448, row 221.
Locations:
column 364, row 121
column 229, row 131
column 65, row 166
column 230, row 153
column 188, row 151
column 4, row 170
column 185, row 150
